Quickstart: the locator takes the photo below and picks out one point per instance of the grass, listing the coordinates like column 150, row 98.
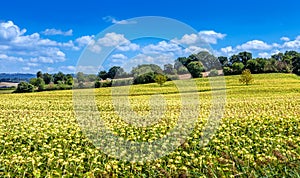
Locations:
column 258, row 135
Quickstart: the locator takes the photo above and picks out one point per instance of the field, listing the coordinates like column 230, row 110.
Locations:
column 258, row 136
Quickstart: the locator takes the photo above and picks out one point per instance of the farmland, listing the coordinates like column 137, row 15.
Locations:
column 258, row 134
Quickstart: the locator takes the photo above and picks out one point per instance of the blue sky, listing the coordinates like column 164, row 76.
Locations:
column 51, row 35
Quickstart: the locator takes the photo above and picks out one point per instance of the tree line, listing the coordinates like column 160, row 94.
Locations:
column 194, row 64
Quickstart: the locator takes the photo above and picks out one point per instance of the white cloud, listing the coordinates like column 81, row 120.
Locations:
column 254, row 45
column 264, row 55
column 115, row 21
column 227, row 49
column 11, row 58
column 292, row 44
column 161, row 48
column 187, row 39
column 85, row 40
column 210, row 36
column 206, row 36
column 115, row 40
column 30, row 49
column 30, row 64
column 284, row 38
column 119, row 56
column 54, row 31
column 129, row 47
column 10, row 31
column 276, row 45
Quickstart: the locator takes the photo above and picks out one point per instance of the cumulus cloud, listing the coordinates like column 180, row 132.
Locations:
column 285, row 39
column 119, row 56
column 254, row 45
column 264, row 55
column 211, row 36
column 227, row 49
column 30, row 50
column 161, row 47
column 9, row 31
column 115, row 21
column 295, row 44
column 54, row 31
column 206, row 36
column 115, row 40
column 187, row 39
column 85, row 40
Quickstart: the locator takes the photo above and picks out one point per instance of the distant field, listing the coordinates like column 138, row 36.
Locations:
column 259, row 135
column 8, row 84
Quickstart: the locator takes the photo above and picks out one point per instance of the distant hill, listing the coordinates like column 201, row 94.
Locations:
column 16, row 77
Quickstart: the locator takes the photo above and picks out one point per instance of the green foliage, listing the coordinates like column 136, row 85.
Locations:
column 38, row 82
column 246, row 77
column 24, row 87
column 70, row 81
column 146, row 68
column 237, row 67
column 227, row 70
column 252, row 65
column 160, row 79
column 195, row 68
column 102, row 75
column 39, row 74
column 59, row 78
column 48, row 78
column 144, row 78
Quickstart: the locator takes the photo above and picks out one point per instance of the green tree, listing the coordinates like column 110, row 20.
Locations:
column 195, row 68
column 296, row 65
column 244, row 57
column 102, row 75
column 39, row 74
column 223, row 60
column 24, row 87
column 144, row 78
column 252, row 65
column 59, row 78
column 237, row 67
column 33, row 81
column 234, row 58
column 246, row 77
column 146, row 68
column 114, row 71
column 227, row 71
column 160, row 79
column 48, row 78
column 40, row 83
